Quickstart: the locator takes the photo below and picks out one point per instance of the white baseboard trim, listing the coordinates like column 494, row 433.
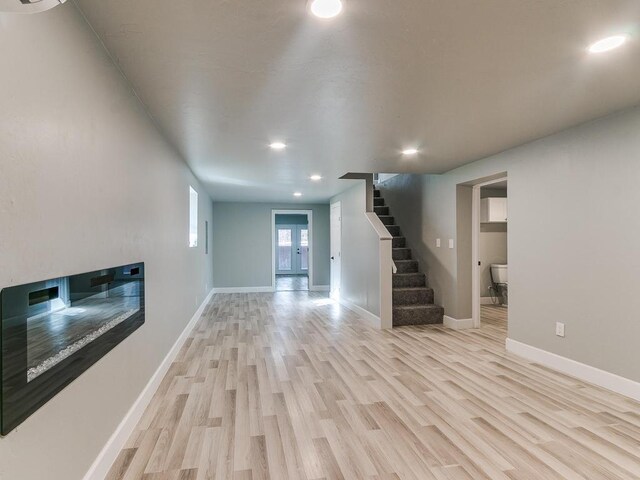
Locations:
column 101, row 465
column 581, row 371
column 372, row 319
column 320, row 288
column 268, row 289
column 458, row 324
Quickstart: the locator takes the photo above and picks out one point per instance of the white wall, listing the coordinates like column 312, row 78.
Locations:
column 242, row 243
column 573, row 239
column 360, row 279
column 86, row 182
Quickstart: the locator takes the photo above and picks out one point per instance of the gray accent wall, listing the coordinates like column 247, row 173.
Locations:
column 87, row 182
column 360, row 272
column 242, row 243
column 573, row 239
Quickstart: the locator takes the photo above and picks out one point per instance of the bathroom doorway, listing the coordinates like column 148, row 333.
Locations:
column 490, row 273
column 292, row 250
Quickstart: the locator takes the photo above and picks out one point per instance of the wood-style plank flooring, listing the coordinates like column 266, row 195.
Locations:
column 292, row 283
column 293, row 386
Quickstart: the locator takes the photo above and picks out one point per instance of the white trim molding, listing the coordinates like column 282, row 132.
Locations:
column 475, row 242
column 457, row 324
column 386, row 269
column 372, row 319
column 265, row 289
column 107, row 456
column 581, row 371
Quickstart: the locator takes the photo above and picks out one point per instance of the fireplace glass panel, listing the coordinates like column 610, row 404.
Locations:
column 53, row 330
column 86, row 307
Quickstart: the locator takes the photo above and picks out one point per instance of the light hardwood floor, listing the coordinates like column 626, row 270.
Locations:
column 292, row 283
column 293, row 386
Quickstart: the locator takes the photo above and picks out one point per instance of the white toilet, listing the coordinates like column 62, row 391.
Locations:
column 500, row 279
column 499, row 273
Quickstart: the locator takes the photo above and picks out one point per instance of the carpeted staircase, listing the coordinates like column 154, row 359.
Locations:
column 412, row 300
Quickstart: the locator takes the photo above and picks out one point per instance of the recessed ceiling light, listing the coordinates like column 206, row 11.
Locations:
column 297, row 194
column 410, row 151
column 316, row 178
column 326, row 8
column 607, row 44
column 278, row 145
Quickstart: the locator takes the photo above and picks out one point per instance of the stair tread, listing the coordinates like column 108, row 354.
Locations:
column 410, row 289
column 417, row 306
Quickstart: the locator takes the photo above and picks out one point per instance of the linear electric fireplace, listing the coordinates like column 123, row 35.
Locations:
column 54, row 330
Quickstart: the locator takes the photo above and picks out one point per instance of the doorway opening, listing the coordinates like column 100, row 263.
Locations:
column 292, row 250
column 490, row 273
column 335, row 220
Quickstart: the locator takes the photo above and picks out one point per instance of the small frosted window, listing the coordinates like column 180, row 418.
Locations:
column 193, row 217
column 284, row 238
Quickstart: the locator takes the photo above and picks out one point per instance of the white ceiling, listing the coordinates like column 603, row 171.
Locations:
column 461, row 79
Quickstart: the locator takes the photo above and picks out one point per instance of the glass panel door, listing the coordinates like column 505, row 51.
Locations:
column 284, row 249
column 303, row 247
column 292, row 249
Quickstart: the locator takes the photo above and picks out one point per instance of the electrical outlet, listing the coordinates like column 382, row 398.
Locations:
column 437, row 243
column 451, row 243
column 560, row 329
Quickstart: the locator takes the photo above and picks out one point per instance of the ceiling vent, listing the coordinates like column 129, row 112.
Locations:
column 28, row 6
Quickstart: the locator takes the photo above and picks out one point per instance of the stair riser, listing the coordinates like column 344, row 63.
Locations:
column 422, row 316
column 407, row 267
column 381, row 210
column 399, row 242
column 413, row 297
column 378, row 202
column 376, row 193
column 401, row 253
column 394, row 230
column 413, row 280
column 387, row 220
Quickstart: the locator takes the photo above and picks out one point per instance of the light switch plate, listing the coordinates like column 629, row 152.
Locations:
column 451, row 243
column 437, row 243
column 560, row 329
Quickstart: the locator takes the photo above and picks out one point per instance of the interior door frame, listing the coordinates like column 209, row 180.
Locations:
column 475, row 248
column 309, row 214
